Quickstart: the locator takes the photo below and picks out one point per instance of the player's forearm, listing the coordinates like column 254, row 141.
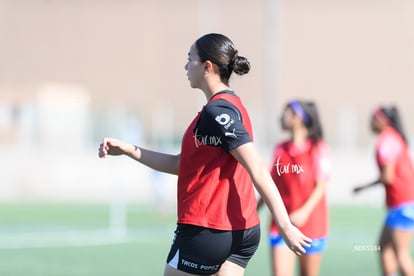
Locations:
column 372, row 184
column 162, row 162
column 271, row 197
column 315, row 197
column 248, row 156
column 387, row 174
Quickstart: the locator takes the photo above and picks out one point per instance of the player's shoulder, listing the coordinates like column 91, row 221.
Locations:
column 225, row 98
column 321, row 148
column 221, row 106
column 390, row 137
column 219, row 103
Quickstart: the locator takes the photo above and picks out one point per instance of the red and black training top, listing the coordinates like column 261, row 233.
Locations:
column 214, row 189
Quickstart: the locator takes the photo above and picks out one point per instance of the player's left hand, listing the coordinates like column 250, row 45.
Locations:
column 296, row 240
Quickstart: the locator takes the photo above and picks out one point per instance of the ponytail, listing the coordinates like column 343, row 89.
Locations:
column 394, row 118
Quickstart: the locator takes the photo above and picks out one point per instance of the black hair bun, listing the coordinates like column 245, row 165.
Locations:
column 240, row 65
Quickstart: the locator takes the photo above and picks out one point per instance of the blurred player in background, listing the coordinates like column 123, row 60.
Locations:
column 218, row 227
column 397, row 175
column 301, row 169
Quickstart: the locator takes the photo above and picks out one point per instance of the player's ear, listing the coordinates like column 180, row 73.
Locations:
column 208, row 66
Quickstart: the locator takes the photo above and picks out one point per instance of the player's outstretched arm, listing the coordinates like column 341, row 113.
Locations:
column 249, row 157
column 360, row 188
column 167, row 163
column 387, row 174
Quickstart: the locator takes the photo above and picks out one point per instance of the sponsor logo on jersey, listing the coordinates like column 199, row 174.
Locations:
column 200, row 140
column 231, row 134
column 225, row 120
column 285, row 168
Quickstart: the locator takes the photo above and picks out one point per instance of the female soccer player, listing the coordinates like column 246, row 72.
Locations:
column 218, row 226
column 396, row 172
column 301, row 169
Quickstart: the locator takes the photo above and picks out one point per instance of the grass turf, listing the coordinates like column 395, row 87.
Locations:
column 76, row 240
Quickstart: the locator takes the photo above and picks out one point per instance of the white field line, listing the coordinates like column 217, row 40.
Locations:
column 71, row 238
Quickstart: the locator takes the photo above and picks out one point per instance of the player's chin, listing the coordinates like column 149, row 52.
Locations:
column 193, row 84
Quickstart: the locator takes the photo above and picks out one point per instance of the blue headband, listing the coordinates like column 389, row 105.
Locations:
column 298, row 109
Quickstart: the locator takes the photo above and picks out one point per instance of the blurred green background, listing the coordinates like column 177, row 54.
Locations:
column 78, row 240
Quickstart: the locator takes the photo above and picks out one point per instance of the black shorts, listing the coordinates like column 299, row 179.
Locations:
column 200, row 250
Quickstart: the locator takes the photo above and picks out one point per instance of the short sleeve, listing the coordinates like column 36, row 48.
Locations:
column 323, row 162
column 389, row 148
column 221, row 124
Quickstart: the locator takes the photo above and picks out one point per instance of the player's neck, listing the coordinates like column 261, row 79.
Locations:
column 299, row 135
column 215, row 88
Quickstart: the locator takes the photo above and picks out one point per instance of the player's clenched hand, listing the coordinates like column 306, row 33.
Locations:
column 110, row 146
column 295, row 240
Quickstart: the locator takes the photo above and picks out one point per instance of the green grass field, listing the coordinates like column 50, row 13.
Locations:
column 76, row 240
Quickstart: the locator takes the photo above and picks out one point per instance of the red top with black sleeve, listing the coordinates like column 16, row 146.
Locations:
column 214, row 189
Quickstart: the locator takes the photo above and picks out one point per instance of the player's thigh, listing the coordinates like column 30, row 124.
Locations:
column 401, row 240
column 170, row 271
column 230, row 269
column 283, row 261
column 227, row 269
column 385, row 240
column 310, row 264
